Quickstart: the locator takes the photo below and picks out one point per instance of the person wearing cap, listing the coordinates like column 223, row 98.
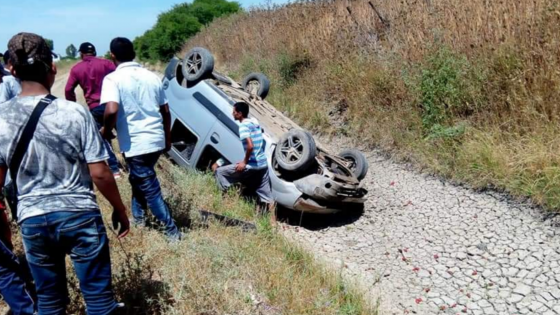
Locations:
column 137, row 106
column 89, row 75
column 10, row 86
column 57, row 208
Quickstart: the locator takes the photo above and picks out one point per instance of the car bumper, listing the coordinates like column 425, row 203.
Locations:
column 309, row 205
column 324, row 195
column 326, row 189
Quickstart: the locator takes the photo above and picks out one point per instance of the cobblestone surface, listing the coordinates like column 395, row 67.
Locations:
column 425, row 246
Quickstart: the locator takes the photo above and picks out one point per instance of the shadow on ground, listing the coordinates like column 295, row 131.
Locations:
column 317, row 222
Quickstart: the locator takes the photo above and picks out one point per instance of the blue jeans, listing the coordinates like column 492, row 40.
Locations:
column 12, row 283
column 47, row 240
column 97, row 114
column 146, row 192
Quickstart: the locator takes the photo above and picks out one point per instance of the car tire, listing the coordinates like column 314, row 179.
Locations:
column 198, row 65
column 358, row 162
column 257, row 84
column 296, row 151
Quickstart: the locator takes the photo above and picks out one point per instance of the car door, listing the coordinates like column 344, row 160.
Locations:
column 191, row 122
column 223, row 137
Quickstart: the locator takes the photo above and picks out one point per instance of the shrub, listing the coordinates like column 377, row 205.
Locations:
column 175, row 26
column 448, row 88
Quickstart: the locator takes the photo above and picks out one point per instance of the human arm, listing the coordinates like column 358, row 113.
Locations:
column 166, row 115
column 105, row 182
column 109, row 120
column 110, row 96
column 95, row 154
column 5, row 232
column 71, row 85
column 240, row 167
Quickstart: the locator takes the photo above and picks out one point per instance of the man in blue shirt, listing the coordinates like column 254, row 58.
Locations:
column 253, row 170
column 10, row 86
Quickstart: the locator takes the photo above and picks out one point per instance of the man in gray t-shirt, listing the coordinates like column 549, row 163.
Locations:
column 57, row 208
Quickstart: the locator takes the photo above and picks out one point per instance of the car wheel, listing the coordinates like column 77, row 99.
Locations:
column 357, row 161
column 198, row 65
column 296, row 151
column 257, row 84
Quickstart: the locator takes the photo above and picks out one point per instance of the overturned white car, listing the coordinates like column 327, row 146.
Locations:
column 304, row 176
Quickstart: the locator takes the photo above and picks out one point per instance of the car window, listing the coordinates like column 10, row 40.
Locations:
column 183, row 140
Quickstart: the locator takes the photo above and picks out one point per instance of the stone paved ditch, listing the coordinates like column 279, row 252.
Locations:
column 425, row 246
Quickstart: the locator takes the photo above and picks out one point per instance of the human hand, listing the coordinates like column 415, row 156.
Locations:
column 5, row 232
column 240, row 167
column 167, row 144
column 120, row 218
column 106, row 134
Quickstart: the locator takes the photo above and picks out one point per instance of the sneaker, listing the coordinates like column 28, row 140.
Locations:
column 117, row 175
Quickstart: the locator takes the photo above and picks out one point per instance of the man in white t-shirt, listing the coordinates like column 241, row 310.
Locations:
column 137, row 107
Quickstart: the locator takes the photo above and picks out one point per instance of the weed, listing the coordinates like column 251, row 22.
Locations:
column 469, row 89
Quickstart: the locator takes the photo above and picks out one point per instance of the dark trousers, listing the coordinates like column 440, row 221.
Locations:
column 47, row 240
column 97, row 114
column 146, row 193
column 13, row 287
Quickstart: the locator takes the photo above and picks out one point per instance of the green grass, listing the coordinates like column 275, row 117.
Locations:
column 217, row 270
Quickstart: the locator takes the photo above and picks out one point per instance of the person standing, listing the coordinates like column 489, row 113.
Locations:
column 252, row 171
column 137, row 107
column 89, row 75
column 57, row 208
column 10, row 86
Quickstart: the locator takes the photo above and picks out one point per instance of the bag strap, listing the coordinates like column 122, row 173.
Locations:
column 25, row 139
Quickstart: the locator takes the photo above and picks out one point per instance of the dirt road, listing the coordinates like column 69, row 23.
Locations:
column 425, row 246
column 60, row 83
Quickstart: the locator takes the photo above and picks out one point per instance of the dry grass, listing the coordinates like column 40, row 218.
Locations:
column 469, row 89
column 218, row 270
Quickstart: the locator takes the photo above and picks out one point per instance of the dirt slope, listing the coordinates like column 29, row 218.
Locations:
column 60, row 83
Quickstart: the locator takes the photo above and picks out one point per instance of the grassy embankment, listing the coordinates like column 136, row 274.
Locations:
column 217, row 270
column 214, row 270
column 469, row 90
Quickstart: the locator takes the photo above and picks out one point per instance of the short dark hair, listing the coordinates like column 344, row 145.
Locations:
column 6, row 57
column 123, row 49
column 243, row 108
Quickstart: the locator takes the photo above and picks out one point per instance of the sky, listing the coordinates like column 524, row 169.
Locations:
column 73, row 22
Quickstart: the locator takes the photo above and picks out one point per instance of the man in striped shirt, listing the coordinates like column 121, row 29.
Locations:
column 252, row 172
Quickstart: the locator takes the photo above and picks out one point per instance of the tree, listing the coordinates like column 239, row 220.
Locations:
column 207, row 10
column 175, row 26
column 71, row 51
column 107, row 55
column 50, row 42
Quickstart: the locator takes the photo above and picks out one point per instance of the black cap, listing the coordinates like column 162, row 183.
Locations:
column 87, row 48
